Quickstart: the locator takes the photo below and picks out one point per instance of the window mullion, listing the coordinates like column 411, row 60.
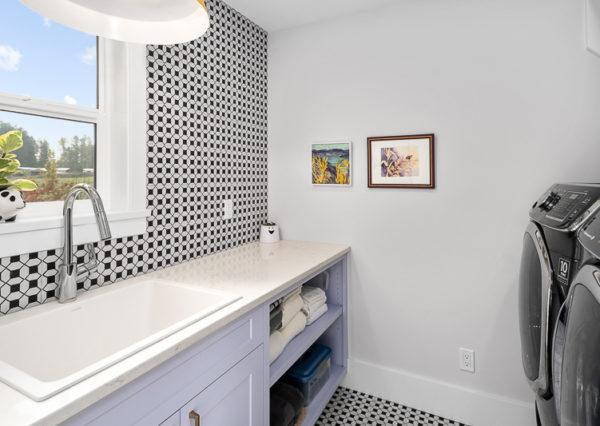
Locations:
column 103, row 127
column 40, row 107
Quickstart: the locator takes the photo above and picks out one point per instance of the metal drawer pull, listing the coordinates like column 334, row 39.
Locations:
column 195, row 417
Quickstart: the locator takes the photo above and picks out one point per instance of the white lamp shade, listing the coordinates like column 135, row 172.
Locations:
column 133, row 21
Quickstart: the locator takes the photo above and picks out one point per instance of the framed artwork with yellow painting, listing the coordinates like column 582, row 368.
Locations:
column 401, row 161
column 332, row 163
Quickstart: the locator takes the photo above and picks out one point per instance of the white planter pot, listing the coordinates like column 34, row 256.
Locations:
column 269, row 234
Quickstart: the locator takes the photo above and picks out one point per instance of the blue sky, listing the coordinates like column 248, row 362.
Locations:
column 43, row 59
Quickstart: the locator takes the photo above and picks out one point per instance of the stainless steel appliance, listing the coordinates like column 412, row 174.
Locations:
column 577, row 361
column 550, row 256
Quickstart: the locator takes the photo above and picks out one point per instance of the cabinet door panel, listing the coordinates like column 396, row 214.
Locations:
column 236, row 398
column 172, row 420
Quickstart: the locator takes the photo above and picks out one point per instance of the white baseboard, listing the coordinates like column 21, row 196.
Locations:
column 465, row 405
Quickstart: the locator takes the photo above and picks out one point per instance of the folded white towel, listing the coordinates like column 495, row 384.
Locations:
column 315, row 315
column 295, row 326
column 290, row 308
column 313, row 307
column 314, row 298
column 279, row 339
column 317, row 301
column 276, row 345
column 313, row 295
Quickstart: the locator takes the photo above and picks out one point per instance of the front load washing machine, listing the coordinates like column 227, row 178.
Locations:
column 578, row 395
column 550, row 255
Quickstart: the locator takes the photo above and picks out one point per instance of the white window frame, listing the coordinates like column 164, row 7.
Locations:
column 120, row 155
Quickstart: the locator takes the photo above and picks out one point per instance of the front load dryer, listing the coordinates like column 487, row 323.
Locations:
column 550, row 255
column 578, row 395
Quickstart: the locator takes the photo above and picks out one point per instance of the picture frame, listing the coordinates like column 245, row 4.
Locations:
column 331, row 164
column 401, row 161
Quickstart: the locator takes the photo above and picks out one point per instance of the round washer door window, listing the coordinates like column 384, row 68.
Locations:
column 580, row 378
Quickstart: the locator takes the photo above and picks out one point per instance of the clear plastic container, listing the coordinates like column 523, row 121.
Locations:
column 310, row 373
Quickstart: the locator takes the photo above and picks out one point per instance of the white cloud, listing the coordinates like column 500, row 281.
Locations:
column 88, row 56
column 9, row 58
column 47, row 22
column 70, row 100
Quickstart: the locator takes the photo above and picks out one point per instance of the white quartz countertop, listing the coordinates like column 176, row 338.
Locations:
column 256, row 272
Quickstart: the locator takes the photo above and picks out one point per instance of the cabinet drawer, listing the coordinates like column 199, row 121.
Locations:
column 236, row 398
column 153, row 397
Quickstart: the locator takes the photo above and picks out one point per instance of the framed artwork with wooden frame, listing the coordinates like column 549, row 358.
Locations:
column 401, row 161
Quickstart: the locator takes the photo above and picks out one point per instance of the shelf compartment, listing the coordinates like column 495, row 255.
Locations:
column 302, row 342
column 317, row 405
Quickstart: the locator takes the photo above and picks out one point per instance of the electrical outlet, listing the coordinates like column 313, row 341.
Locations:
column 467, row 359
column 227, row 209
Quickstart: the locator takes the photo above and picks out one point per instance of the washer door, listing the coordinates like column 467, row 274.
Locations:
column 535, row 298
column 580, row 377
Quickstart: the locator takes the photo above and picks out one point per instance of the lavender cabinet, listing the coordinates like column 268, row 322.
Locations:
column 225, row 378
column 234, row 399
column 214, row 366
column 172, row 421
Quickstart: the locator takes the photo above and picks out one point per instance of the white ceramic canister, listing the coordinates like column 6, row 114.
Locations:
column 269, row 233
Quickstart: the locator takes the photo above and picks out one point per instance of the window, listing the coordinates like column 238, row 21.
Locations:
column 56, row 154
column 55, row 63
column 80, row 102
column 42, row 59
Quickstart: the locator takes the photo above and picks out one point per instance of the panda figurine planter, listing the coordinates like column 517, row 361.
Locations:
column 269, row 233
column 11, row 201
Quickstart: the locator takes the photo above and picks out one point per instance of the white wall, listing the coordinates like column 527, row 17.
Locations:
column 513, row 98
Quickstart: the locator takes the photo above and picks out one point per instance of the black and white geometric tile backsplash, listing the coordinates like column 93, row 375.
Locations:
column 207, row 142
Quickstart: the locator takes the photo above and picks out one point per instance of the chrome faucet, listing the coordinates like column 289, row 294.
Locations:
column 69, row 274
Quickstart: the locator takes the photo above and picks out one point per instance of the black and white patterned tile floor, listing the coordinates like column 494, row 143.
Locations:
column 348, row 407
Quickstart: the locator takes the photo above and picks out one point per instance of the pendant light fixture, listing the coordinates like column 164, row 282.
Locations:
column 134, row 21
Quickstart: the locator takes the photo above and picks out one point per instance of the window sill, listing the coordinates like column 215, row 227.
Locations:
column 32, row 234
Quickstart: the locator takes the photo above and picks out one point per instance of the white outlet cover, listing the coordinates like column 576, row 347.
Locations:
column 466, row 359
column 227, row 209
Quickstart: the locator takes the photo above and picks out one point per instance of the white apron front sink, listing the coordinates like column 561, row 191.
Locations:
column 52, row 347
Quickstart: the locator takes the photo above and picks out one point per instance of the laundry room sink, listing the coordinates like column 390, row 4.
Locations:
column 52, row 347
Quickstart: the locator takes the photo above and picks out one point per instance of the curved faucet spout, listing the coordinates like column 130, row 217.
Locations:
column 68, row 276
column 101, row 219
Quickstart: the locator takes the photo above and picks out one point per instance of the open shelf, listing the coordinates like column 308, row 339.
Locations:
column 302, row 342
column 330, row 330
column 317, row 405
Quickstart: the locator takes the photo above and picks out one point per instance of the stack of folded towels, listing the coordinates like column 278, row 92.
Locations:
column 287, row 320
column 315, row 303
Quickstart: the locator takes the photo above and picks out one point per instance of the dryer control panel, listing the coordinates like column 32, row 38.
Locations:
column 565, row 206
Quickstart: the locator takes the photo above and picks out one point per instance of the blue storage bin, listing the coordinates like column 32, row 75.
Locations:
column 311, row 371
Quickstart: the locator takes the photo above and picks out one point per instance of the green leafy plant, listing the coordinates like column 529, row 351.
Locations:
column 9, row 142
column 269, row 224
